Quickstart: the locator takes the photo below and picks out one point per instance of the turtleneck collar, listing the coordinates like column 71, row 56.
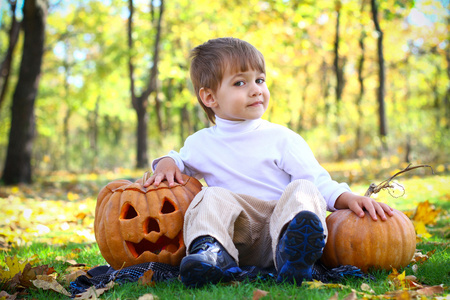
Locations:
column 227, row 127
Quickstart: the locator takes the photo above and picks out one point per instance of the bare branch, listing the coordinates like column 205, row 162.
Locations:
column 374, row 189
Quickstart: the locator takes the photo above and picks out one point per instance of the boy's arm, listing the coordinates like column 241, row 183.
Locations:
column 358, row 203
column 165, row 169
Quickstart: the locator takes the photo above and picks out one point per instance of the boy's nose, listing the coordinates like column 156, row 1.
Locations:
column 255, row 91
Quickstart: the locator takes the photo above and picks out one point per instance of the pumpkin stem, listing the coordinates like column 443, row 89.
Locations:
column 373, row 188
column 146, row 176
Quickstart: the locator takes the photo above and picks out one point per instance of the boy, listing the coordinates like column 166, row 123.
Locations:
column 267, row 195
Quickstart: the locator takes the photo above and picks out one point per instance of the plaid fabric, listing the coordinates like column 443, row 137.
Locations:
column 163, row 272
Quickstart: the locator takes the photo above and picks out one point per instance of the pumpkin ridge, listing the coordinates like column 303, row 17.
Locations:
column 134, row 224
column 369, row 244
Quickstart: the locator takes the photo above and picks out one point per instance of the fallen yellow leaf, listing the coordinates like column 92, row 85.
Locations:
column 14, row 267
column 426, row 213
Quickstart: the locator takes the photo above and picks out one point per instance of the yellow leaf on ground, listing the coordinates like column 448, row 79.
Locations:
column 403, row 295
column 426, row 213
column 316, row 284
column 421, row 230
column 14, row 266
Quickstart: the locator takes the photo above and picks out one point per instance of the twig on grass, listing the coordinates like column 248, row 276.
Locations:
column 374, row 189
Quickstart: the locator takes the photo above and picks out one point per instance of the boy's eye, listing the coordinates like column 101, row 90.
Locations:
column 239, row 83
column 260, row 80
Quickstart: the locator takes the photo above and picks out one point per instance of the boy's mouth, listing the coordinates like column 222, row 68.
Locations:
column 256, row 103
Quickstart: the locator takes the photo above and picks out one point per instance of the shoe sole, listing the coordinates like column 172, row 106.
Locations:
column 303, row 245
column 195, row 274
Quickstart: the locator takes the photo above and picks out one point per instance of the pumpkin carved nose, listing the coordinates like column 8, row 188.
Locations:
column 151, row 225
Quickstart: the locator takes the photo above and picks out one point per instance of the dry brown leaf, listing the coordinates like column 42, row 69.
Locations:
column 258, row 294
column 72, row 276
column 47, row 282
column 334, row 297
column 148, row 297
column 431, row 290
column 366, row 288
column 6, row 296
column 147, row 278
column 29, row 273
column 402, row 295
column 351, row 296
column 93, row 293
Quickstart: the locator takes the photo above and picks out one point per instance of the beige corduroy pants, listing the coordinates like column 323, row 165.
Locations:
column 247, row 227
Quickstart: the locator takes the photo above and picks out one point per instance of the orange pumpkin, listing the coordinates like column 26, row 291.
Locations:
column 134, row 224
column 367, row 244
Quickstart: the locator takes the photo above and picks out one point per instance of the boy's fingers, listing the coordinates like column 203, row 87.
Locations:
column 357, row 210
column 381, row 213
column 158, row 179
column 170, row 180
column 372, row 211
column 387, row 209
column 179, row 177
column 148, row 182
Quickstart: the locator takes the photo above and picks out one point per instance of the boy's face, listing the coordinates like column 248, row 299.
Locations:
column 240, row 96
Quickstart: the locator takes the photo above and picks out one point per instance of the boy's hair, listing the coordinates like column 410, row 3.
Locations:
column 210, row 60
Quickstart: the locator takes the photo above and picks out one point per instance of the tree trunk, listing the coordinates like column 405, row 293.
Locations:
column 302, row 112
column 18, row 158
column 5, row 67
column 447, row 94
column 338, row 69
column 381, row 76
column 140, row 103
column 361, row 60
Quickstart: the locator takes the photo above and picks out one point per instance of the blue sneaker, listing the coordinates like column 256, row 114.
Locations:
column 299, row 247
column 208, row 262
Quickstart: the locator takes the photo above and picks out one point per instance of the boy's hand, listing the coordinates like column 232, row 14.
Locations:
column 358, row 203
column 166, row 169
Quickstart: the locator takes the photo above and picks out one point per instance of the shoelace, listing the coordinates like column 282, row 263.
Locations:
column 202, row 243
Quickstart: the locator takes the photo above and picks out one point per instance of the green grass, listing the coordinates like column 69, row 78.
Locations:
column 55, row 248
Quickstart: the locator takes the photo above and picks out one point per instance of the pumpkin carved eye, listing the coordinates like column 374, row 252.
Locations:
column 128, row 212
column 167, row 207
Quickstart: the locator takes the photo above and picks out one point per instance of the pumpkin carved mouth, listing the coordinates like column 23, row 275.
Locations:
column 163, row 243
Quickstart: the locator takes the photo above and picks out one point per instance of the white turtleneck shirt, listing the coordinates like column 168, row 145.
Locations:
column 253, row 157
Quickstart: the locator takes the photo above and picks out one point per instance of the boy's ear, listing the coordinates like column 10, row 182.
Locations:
column 207, row 97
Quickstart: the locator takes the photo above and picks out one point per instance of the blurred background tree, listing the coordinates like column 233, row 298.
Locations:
column 330, row 64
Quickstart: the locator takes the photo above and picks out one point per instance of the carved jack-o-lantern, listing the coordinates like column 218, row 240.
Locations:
column 134, row 224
